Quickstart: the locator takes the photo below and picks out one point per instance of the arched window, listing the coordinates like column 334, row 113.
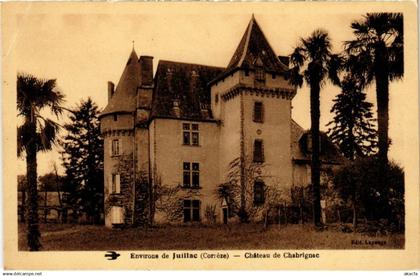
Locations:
column 259, row 192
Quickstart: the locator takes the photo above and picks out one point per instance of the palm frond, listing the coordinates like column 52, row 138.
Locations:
column 47, row 135
column 334, row 67
column 298, row 57
column 294, row 76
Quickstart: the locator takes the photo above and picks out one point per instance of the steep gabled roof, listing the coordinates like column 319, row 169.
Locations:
column 330, row 153
column 254, row 49
column 124, row 98
column 185, row 84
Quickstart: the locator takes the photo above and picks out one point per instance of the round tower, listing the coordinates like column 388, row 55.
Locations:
column 117, row 129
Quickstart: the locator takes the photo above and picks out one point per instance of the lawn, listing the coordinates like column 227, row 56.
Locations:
column 61, row 237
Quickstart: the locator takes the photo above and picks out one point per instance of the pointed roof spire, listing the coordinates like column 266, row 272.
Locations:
column 124, row 98
column 254, row 47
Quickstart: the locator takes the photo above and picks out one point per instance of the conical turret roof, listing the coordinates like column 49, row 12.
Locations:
column 254, row 50
column 124, row 98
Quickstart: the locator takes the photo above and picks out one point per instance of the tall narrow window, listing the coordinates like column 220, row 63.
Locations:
column 186, row 134
column 195, row 175
column 190, row 134
column 191, row 210
column 259, row 192
column 258, row 112
column 258, row 151
column 187, row 174
column 195, row 135
column 115, row 184
column 115, row 147
column 191, row 175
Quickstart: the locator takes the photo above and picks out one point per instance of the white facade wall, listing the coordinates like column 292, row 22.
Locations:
column 274, row 131
column 168, row 154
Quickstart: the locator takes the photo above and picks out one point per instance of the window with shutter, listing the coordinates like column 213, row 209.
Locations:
column 117, row 215
column 258, row 151
column 115, row 184
column 116, row 147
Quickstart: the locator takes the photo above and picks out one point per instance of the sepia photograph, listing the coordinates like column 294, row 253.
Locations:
column 208, row 132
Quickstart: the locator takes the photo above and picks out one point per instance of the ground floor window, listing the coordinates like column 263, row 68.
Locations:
column 259, row 192
column 191, row 210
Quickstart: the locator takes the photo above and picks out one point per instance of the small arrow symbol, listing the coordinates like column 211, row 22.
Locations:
column 112, row 255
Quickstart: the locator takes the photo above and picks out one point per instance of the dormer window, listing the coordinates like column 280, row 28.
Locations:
column 259, row 74
column 309, row 143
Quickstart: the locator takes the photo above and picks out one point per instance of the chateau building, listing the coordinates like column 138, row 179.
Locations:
column 185, row 125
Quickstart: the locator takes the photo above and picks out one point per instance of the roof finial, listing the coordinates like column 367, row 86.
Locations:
column 133, row 44
column 253, row 18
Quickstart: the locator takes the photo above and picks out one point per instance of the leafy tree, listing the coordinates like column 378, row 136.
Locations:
column 352, row 128
column 50, row 182
column 313, row 62
column 375, row 200
column 377, row 54
column 83, row 160
column 239, row 194
column 37, row 133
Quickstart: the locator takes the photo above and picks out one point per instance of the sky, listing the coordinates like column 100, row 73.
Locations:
column 85, row 45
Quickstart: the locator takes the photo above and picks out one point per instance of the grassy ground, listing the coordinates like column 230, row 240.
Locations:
column 251, row 236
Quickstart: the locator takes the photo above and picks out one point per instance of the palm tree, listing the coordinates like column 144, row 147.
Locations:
column 37, row 133
column 377, row 54
column 313, row 62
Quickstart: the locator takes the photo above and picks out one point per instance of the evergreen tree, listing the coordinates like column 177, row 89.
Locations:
column 83, row 160
column 353, row 124
column 353, row 131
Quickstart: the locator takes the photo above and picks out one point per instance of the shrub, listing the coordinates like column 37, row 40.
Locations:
column 375, row 201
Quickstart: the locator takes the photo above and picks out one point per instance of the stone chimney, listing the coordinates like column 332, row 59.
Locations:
column 284, row 60
column 176, row 109
column 146, row 69
column 204, row 109
column 110, row 90
column 194, row 99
